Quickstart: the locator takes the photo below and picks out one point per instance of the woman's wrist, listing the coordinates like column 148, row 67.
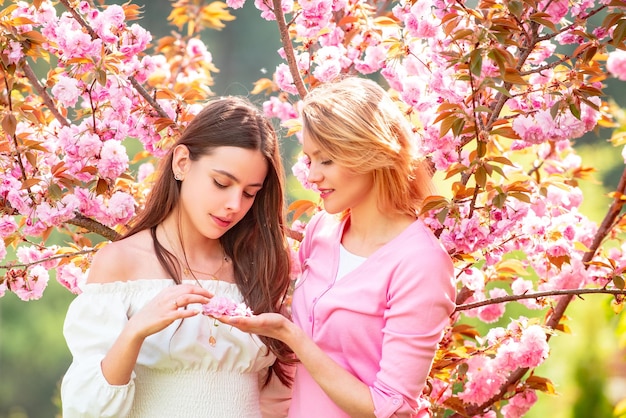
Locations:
column 293, row 334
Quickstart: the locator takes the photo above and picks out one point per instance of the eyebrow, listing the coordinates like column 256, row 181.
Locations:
column 235, row 179
column 313, row 154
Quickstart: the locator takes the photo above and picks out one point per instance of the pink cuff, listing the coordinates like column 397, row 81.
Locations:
column 388, row 406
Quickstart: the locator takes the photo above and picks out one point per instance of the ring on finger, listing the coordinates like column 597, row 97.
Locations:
column 176, row 306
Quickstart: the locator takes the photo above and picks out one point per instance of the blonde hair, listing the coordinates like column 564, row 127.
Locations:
column 355, row 121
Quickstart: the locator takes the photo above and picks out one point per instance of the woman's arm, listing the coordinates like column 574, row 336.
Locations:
column 118, row 364
column 348, row 392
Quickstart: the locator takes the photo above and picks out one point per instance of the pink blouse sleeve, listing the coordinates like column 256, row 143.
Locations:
column 420, row 300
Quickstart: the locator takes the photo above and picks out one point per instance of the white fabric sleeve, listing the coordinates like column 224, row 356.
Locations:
column 93, row 322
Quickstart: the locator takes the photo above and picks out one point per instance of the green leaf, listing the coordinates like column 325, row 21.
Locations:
column 457, row 126
column 9, row 123
column 55, row 192
column 542, row 18
column 476, row 61
column 516, row 8
column 575, row 110
column 101, row 77
column 481, row 176
column 619, row 32
column 443, row 215
column 499, row 200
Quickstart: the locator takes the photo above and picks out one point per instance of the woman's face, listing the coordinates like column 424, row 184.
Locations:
column 340, row 187
column 219, row 189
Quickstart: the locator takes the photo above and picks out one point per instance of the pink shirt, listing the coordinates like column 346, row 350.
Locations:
column 381, row 322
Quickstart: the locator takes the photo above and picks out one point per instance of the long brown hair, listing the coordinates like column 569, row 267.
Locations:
column 257, row 244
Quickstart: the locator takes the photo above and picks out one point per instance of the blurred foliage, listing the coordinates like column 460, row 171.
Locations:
column 33, row 354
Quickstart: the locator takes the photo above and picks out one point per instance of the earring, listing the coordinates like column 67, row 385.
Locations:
column 178, row 177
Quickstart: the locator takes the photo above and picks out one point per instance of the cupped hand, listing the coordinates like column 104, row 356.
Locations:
column 166, row 307
column 272, row 325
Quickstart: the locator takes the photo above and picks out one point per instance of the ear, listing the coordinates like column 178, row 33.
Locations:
column 180, row 161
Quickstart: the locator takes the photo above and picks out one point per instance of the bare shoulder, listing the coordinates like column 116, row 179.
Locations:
column 120, row 260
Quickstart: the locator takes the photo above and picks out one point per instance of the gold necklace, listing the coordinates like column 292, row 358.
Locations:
column 187, row 270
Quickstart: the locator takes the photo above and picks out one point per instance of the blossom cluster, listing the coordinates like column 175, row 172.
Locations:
column 516, row 347
column 75, row 163
column 223, row 306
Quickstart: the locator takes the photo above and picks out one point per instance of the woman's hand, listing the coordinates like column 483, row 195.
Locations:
column 271, row 325
column 167, row 306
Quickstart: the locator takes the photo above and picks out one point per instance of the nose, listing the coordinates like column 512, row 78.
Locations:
column 233, row 203
column 314, row 175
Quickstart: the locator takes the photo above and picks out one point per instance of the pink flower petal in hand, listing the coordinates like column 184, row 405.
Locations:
column 220, row 306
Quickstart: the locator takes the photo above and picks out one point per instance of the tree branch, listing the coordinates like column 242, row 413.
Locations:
column 288, row 48
column 44, row 260
column 94, row 226
column 537, row 295
column 562, row 304
column 133, row 81
column 41, row 91
column 603, row 231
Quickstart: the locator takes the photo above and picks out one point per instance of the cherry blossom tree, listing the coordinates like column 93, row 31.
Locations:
column 497, row 90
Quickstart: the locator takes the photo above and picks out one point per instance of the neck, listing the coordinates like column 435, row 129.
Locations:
column 182, row 237
column 197, row 255
column 368, row 230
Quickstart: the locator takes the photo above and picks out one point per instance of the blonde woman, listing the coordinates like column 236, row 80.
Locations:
column 377, row 287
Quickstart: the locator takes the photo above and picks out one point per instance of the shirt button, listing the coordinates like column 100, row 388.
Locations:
column 396, row 402
column 310, row 319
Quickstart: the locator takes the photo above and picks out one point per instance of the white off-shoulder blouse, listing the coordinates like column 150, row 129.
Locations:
column 179, row 372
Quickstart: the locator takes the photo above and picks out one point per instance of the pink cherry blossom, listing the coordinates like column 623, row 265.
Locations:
column 472, row 278
column 113, row 159
column 144, row 171
column 15, row 52
column 533, row 347
column 616, row 64
column 521, row 287
column 220, row 306
column 235, row 4
column 491, row 313
column 134, row 40
column 66, row 91
column 3, row 250
column 519, row 404
column 484, row 381
column 301, row 170
column 276, row 108
column 556, row 10
column 31, row 285
column 71, row 277
column 120, row 209
column 7, row 226
column 32, row 254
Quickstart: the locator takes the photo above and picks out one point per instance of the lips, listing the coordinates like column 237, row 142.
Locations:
column 222, row 222
column 325, row 192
